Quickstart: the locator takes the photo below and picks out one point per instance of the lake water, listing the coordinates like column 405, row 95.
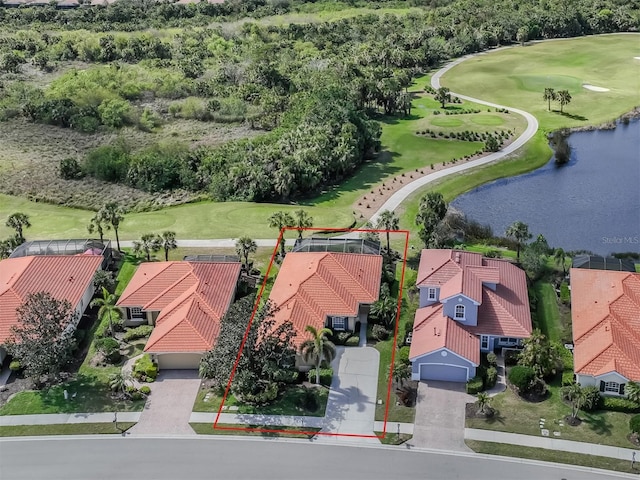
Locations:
column 591, row 203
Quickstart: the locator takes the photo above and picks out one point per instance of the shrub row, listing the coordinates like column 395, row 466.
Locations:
column 138, row 332
column 144, row 369
column 475, row 385
column 615, row 404
column 326, row 375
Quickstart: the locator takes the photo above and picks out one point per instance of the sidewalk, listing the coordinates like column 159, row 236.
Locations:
column 63, row 418
column 550, row 443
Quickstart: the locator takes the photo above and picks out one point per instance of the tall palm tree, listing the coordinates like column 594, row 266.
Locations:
column 519, row 231
column 302, row 221
column 147, row 244
column 98, row 224
column 168, row 242
column 244, row 247
column 280, row 220
column 318, row 348
column 388, row 221
column 564, row 98
column 108, row 307
column 482, row 400
column 549, row 95
column 18, row 221
column 113, row 214
column 632, row 390
column 560, row 258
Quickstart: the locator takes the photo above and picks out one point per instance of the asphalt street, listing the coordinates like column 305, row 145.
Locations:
column 220, row 457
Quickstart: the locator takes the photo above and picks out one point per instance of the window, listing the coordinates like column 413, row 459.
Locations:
column 484, row 342
column 613, row 387
column 339, row 323
column 459, row 315
column 136, row 312
column 431, row 293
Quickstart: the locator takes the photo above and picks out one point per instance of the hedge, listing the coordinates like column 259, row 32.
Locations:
column 567, row 377
column 138, row 332
column 326, row 375
column 623, row 405
column 474, row 385
column 634, row 424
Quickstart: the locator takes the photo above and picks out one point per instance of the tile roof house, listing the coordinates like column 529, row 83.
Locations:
column 186, row 302
column 468, row 304
column 605, row 311
column 65, row 277
column 325, row 289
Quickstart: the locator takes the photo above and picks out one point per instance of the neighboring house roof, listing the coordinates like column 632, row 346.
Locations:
column 65, row 277
column 501, row 312
column 603, row 263
column 433, row 331
column 192, row 298
column 605, row 311
column 312, row 286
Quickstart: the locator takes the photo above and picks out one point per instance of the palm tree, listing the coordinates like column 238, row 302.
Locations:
column 575, row 396
column 112, row 214
column 482, row 400
column 564, row 98
column 519, row 231
column 401, row 372
column 318, row 348
column 549, row 95
column 302, row 221
column 384, row 309
column 560, row 258
column 443, row 96
column 148, row 243
column 281, row 220
column 632, row 390
column 108, row 307
column 18, row 221
column 98, row 224
column 168, row 242
column 388, row 221
column 245, row 246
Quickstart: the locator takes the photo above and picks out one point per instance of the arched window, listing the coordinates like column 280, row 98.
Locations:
column 459, row 312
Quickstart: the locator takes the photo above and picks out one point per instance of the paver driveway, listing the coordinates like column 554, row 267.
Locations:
column 440, row 413
column 169, row 406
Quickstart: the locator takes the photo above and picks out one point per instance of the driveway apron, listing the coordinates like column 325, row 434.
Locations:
column 169, row 406
column 440, row 415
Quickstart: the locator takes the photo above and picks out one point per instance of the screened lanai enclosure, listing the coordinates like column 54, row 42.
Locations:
column 67, row 247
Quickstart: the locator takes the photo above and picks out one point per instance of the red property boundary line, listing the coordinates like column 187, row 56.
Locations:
column 255, row 309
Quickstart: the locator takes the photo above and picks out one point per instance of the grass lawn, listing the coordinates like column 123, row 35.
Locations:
column 548, row 314
column 545, row 455
column 64, row 429
column 518, row 76
column 289, row 403
column 515, row 415
column 291, row 432
column 393, row 438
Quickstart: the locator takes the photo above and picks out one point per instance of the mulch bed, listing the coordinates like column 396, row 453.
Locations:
column 15, row 385
column 472, row 411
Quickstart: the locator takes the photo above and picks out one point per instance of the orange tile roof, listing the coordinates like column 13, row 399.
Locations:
column 192, row 298
column 311, row 286
column 433, row 331
column 503, row 312
column 605, row 312
column 65, row 277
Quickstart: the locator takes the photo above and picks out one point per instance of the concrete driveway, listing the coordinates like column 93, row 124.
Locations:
column 440, row 414
column 351, row 407
column 169, row 406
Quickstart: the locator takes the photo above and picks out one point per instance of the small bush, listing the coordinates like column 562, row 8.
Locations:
column 353, row 341
column 110, row 347
column 286, row 376
column 491, row 378
column 14, row 366
column 615, row 404
column 70, row 169
column 309, row 400
column 567, row 377
column 144, row 369
column 474, row 385
column 492, row 358
column 136, row 395
column 591, row 398
column 326, row 375
column 145, row 390
column 566, row 357
column 511, row 357
column 263, row 397
column 521, row 377
column 138, row 332
column 634, row 424
column 380, row 333
column 403, row 355
column 565, row 294
column 340, row 338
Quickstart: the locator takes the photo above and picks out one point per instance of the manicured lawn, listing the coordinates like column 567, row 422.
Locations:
column 289, row 403
column 488, row 248
column 64, row 429
column 291, row 432
column 545, row 455
column 127, row 269
column 548, row 314
column 393, row 439
column 518, row 76
column 515, row 415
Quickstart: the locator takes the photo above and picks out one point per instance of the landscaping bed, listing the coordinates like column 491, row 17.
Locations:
column 285, row 432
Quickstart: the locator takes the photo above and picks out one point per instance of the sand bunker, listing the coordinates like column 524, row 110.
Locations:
column 637, row 58
column 593, row 88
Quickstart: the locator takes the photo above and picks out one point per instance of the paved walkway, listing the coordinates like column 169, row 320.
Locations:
column 501, row 382
column 169, row 406
column 64, row 418
column 551, row 444
column 440, row 414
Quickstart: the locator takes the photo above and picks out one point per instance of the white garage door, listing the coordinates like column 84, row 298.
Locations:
column 445, row 373
column 179, row 361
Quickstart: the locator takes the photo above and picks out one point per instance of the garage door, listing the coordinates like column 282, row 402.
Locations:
column 179, row 361
column 445, row 373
